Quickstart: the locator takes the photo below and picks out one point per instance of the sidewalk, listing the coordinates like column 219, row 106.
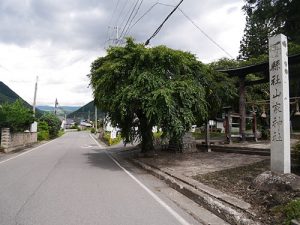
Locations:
column 180, row 171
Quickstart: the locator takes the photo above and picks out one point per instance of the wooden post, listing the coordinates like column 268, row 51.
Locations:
column 207, row 137
column 242, row 108
column 254, row 125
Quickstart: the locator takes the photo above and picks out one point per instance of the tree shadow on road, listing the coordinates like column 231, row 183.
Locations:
column 101, row 160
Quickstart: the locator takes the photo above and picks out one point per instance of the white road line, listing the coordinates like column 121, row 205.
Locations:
column 156, row 198
column 1, row 162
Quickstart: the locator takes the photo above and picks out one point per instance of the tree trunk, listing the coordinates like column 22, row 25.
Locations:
column 147, row 135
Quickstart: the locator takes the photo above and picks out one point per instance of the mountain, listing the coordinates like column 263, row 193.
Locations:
column 67, row 109
column 9, row 96
column 86, row 112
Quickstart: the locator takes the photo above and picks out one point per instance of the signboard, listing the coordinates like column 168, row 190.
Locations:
column 279, row 104
column 113, row 134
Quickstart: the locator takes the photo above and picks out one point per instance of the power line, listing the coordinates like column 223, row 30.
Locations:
column 139, row 19
column 136, row 12
column 131, row 13
column 122, row 10
column 201, row 30
column 110, row 20
column 206, row 35
column 160, row 26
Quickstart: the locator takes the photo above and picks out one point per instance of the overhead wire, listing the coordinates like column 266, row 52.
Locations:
column 205, row 34
column 141, row 17
column 110, row 20
column 122, row 10
column 131, row 13
column 129, row 25
column 161, row 25
column 193, row 22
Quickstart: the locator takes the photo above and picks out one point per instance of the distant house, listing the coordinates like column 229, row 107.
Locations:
column 83, row 125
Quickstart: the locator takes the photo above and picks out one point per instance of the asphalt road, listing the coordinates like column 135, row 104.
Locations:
column 74, row 181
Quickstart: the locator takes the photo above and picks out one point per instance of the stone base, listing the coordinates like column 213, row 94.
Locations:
column 270, row 181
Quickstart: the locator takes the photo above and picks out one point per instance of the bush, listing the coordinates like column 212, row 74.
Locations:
column 43, row 131
column 93, row 130
column 109, row 141
column 15, row 116
column 43, row 135
column 53, row 124
column 292, row 211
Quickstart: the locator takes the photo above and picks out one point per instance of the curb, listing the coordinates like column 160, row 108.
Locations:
column 235, row 149
column 225, row 209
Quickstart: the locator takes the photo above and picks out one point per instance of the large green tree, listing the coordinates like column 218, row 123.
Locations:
column 143, row 87
column 265, row 18
column 15, row 116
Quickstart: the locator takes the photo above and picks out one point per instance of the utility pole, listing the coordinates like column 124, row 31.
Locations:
column 117, row 34
column 96, row 119
column 55, row 106
column 34, row 98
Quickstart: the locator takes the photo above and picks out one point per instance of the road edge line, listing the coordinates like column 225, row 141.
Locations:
column 23, row 153
column 154, row 196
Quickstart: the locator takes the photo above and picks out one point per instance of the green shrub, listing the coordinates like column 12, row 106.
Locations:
column 53, row 124
column 74, row 126
column 157, row 134
column 43, row 135
column 93, row 130
column 15, row 116
column 43, row 131
column 292, row 211
column 109, row 141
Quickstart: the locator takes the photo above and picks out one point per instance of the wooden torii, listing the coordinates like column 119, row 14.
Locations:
column 263, row 69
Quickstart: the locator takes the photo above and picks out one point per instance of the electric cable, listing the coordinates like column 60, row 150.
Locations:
column 161, row 25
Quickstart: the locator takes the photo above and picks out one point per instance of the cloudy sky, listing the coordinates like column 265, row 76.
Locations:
column 57, row 40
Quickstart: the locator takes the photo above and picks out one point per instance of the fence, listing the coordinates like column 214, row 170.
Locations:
column 12, row 141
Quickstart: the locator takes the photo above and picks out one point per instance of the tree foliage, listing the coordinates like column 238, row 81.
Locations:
column 143, row 87
column 15, row 116
column 53, row 124
column 265, row 18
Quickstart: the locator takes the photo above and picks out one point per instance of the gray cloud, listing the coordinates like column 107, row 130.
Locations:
column 58, row 39
column 83, row 24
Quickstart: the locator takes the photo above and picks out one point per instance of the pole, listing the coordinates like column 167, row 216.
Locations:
column 34, row 98
column 96, row 119
column 207, row 137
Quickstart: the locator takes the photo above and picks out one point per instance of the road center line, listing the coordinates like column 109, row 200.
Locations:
column 156, row 198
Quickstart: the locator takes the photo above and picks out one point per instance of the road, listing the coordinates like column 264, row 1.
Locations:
column 73, row 181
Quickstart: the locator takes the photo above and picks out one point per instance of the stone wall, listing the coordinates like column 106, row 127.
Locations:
column 189, row 144
column 12, row 141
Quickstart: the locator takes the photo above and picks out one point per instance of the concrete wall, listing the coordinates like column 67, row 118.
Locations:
column 12, row 141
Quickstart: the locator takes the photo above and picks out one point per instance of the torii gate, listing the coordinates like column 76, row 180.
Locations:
column 263, row 68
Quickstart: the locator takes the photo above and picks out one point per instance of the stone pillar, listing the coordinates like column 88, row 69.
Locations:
column 279, row 105
column 5, row 139
column 242, row 108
